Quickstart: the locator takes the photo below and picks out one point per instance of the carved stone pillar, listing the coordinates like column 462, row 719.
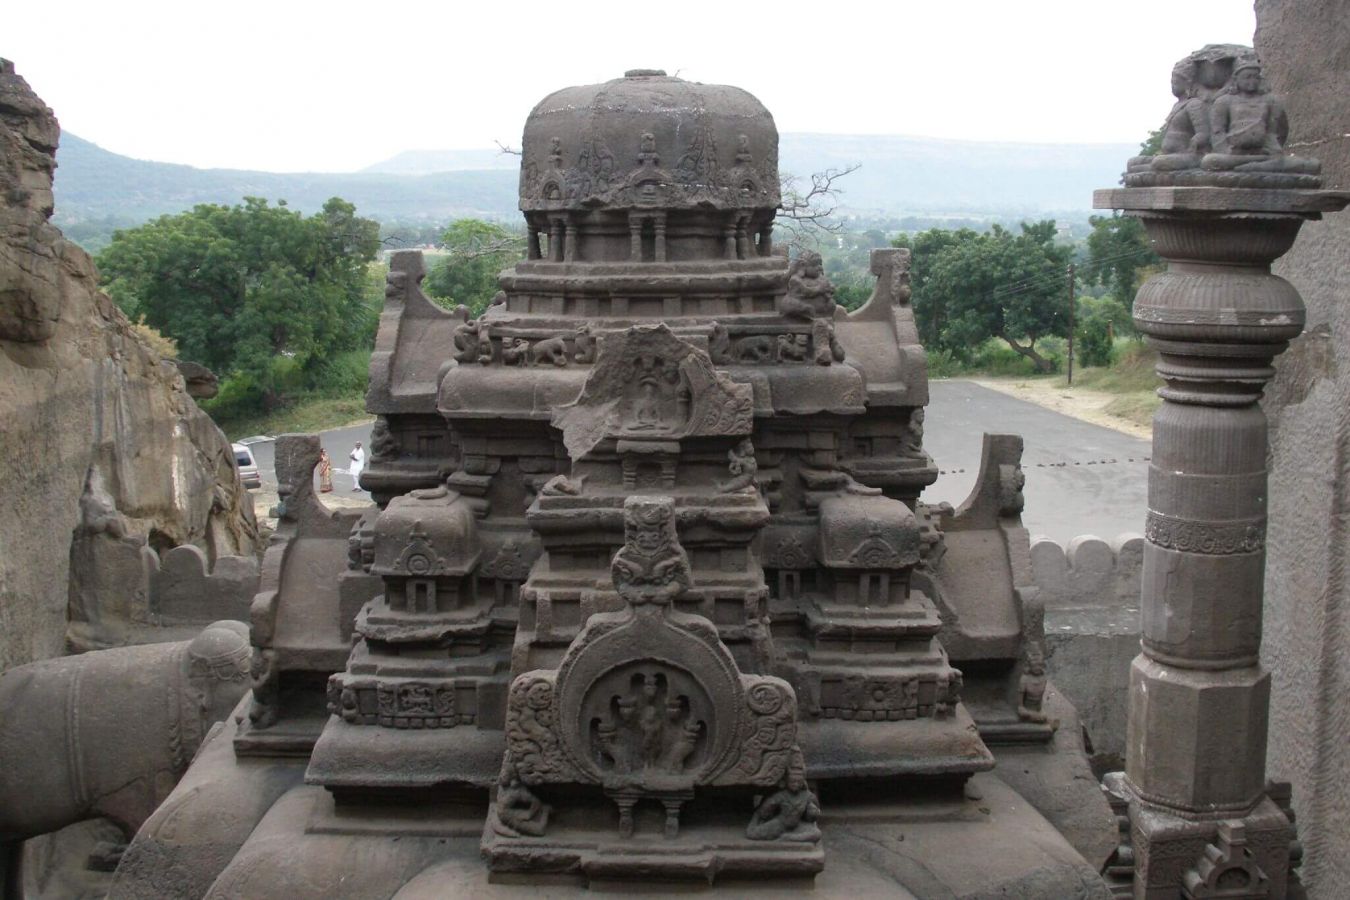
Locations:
column 729, row 239
column 635, row 237
column 659, row 224
column 555, row 239
column 766, row 240
column 742, row 237
column 569, row 240
column 1195, row 764
column 532, row 243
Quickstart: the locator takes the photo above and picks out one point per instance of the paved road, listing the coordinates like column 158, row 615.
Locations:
column 1081, row 478
column 338, row 442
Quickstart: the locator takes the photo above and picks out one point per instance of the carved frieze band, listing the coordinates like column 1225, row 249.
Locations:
column 1216, row 538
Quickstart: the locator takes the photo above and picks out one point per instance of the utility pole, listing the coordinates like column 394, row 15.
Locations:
column 1073, row 318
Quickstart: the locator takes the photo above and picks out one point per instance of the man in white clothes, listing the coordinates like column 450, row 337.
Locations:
column 358, row 458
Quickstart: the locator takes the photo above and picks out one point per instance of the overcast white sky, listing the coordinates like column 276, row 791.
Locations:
column 305, row 86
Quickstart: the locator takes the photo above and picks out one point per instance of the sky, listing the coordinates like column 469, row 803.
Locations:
column 293, row 85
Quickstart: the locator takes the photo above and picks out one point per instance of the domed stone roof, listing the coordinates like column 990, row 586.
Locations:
column 649, row 140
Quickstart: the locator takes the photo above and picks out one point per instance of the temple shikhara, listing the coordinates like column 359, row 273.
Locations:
column 650, row 592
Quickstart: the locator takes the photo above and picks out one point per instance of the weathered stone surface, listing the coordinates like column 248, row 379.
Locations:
column 201, row 382
column 116, row 728
column 81, row 394
column 1307, row 608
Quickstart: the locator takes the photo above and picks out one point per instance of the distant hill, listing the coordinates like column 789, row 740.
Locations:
column 917, row 174
column 429, row 162
column 899, row 175
column 92, row 183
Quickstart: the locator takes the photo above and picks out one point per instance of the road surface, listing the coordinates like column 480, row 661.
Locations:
column 1081, row 478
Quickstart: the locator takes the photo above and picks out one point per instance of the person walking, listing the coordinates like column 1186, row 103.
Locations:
column 358, row 457
column 325, row 472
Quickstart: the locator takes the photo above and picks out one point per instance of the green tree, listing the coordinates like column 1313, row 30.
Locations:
column 1119, row 256
column 475, row 253
column 255, row 291
column 970, row 286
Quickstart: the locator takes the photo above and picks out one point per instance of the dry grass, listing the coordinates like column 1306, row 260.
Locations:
column 1121, row 396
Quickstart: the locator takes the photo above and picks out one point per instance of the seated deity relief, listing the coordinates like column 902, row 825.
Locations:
column 1225, row 129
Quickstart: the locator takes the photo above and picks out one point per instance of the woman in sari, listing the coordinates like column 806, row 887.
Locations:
column 325, row 472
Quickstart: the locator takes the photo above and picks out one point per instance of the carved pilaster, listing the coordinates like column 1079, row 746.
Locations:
column 1199, row 699
column 1221, row 200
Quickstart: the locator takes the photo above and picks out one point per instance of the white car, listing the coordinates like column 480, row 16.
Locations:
column 248, row 468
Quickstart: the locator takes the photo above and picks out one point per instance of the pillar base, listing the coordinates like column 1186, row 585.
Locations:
column 1193, row 856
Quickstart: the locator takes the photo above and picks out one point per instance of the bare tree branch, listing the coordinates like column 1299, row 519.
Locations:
column 806, row 209
column 507, row 149
column 511, row 244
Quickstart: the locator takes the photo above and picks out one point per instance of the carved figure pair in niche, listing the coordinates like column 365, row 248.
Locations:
column 1224, row 121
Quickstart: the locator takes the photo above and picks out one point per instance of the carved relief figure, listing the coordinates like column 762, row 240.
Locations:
column 466, row 340
column 792, row 347
column 1185, row 133
column 653, row 395
column 828, row 348
column 1249, row 127
column 755, row 348
column 384, row 445
column 790, row 813
column 810, row 294
column 552, row 350
column 719, row 345
column 651, row 567
column 519, row 811
column 1011, row 480
column 585, row 344
column 742, row 466
column 650, row 728
column 515, row 351
column 1030, row 707
column 911, row 441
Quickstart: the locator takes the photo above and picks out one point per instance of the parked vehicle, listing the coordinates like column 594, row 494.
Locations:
column 248, row 467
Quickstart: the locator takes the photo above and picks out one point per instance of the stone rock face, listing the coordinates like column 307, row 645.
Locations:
column 1308, row 404
column 84, row 402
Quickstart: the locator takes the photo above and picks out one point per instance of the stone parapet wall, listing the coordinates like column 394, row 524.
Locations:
column 1090, row 588
column 1088, row 571
column 137, row 597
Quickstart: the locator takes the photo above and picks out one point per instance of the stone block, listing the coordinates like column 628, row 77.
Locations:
column 1088, row 655
column 1197, row 736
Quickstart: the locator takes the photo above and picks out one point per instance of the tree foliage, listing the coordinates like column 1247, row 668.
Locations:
column 253, row 291
column 1119, row 256
column 971, row 286
column 475, row 253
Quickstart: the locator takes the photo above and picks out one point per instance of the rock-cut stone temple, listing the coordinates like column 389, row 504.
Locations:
column 650, row 593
